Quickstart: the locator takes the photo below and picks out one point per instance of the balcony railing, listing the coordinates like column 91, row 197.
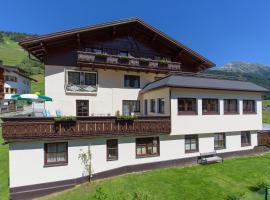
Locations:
column 90, row 57
column 33, row 128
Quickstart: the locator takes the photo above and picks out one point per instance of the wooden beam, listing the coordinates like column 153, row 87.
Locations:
column 43, row 47
column 154, row 38
column 78, row 40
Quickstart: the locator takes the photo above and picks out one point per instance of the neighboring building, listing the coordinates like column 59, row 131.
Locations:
column 16, row 81
column 12, row 81
column 125, row 68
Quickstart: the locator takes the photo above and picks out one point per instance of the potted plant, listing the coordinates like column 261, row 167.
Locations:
column 163, row 63
column 101, row 57
column 123, row 119
column 144, row 62
column 65, row 122
column 123, row 60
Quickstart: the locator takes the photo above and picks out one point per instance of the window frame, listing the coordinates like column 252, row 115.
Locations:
column 129, row 76
column 223, row 146
column 231, row 112
column 208, row 105
column 80, row 72
column 77, row 107
column 190, row 137
column 57, row 163
column 152, row 105
column 146, row 145
column 186, row 112
column 137, row 105
column 245, row 144
column 254, row 107
column 159, row 100
column 112, row 148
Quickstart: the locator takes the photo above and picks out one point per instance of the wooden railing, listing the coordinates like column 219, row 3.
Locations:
column 40, row 128
column 91, row 57
column 264, row 138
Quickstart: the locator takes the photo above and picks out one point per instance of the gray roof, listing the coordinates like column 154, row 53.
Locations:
column 203, row 82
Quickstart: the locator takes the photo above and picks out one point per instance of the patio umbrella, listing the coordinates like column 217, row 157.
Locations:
column 31, row 97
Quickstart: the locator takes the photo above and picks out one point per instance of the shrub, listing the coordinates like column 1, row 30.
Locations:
column 163, row 62
column 65, row 119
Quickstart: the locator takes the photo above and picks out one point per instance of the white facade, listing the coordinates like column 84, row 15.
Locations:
column 15, row 84
column 107, row 101
column 30, row 156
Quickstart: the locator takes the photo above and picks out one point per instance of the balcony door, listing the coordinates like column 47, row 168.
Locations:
column 130, row 107
column 82, row 108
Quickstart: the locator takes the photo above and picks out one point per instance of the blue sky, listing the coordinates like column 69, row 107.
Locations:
column 221, row 30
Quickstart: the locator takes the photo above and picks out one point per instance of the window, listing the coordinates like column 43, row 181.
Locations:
column 147, row 147
column 161, row 104
column 210, row 106
column 219, row 140
column 81, row 81
column 191, row 143
column 11, row 78
column 249, row 106
column 130, row 106
column 123, row 53
column 153, row 105
column 145, row 107
column 230, row 106
column 13, row 90
column 56, row 153
column 112, row 149
column 82, row 107
column 245, row 138
column 187, row 106
column 132, row 81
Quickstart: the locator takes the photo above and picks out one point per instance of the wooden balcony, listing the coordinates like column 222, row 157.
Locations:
column 33, row 128
column 130, row 63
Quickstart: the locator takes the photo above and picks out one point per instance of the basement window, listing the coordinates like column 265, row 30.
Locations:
column 56, row 153
column 147, row 147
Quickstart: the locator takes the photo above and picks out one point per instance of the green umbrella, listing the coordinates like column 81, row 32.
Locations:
column 31, row 97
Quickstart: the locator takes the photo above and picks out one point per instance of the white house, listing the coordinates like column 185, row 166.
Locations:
column 125, row 68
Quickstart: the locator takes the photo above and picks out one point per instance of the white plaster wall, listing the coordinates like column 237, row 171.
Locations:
column 106, row 101
column 27, row 159
column 197, row 124
column 21, row 87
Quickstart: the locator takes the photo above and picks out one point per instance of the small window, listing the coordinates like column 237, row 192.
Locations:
column 191, row 143
column 132, row 81
column 230, row 106
column 82, row 107
column 130, row 107
column 112, row 149
column 56, row 153
column 187, row 106
column 146, row 147
column 161, row 105
column 145, row 107
column 219, row 141
column 210, row 106
column 245, row 138
column 249, row 106
column 153, row 105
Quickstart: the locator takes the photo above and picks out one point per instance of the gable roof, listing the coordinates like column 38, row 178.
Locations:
column 17, row 70
column 38, row 42
column 201, row 81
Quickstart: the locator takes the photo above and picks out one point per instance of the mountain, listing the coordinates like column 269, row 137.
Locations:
column 11, row 53
column 253, row 72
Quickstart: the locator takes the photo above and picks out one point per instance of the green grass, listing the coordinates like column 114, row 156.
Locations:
column 266, row 117
column 3, row 169
column 266, row 102
column 211, row 182
column 11, row 53
column 38, row 86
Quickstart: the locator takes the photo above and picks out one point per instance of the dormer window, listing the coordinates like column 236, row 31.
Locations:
column 81, row 81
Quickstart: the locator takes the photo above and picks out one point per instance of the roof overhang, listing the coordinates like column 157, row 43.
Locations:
column 36, row 46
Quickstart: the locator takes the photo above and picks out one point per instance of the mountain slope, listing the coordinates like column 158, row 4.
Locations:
column 256, row 73
column 11, row 53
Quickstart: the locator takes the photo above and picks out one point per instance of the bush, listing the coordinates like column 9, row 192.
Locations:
column 65, row 119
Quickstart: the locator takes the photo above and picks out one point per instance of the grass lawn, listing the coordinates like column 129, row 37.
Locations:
column 38, row 86
column 3, row 169
column 211, row 182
